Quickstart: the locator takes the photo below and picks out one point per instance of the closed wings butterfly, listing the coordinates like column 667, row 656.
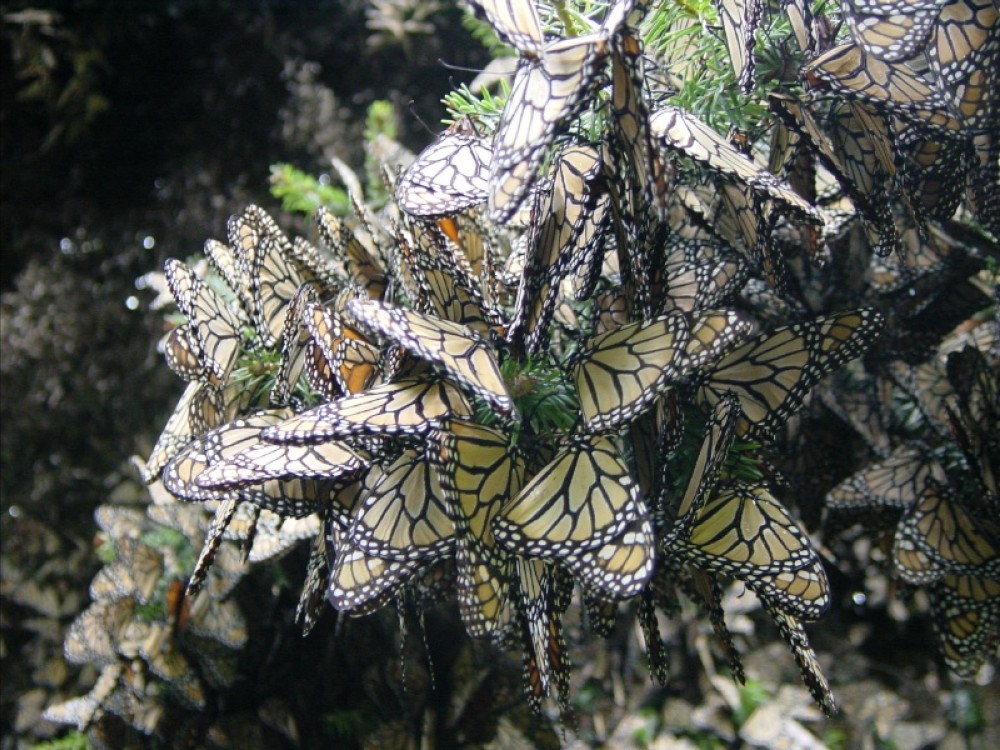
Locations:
column 464, row 355
column 404, row 513
column 214, row 325
column 480, row 473
column 771, row 373
column 409, row 406
column 680, row 130
column 450, row 175
column 938, row 536
column 584, row 498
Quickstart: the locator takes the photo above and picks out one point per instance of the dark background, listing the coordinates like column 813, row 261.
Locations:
column 130, row 132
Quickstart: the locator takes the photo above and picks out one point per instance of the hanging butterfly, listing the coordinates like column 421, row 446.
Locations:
column 215, row 327
column 550, row 88
column 889, row 486
column 797, row 640
column 464, row 355
column 745, row 533
column 362, row 266
column 619, row 373
column 409, row 406
column 583, row 499
column 480, row 473
column 561, row 227
column 199, row 409
column 889, row 87
column 772, row 373
column 937, row 536
column 965, row 613
column 892, row 33
column 678, row 129
column 720, row 429
column 360, row 583
column 296, row 496
column 450, row 175
column 261, row 462
column 619, row 569
column 403, row 512
column 341, row 359
column 445, row 288
column 740, row 19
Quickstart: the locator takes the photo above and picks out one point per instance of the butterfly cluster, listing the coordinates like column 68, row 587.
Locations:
column 556, row 368
column 933, row 501
column 158, row 653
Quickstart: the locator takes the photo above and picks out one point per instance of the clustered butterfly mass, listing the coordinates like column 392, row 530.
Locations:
column 529, row 374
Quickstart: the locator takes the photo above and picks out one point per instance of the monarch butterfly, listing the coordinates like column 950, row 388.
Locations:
column 895, row 483
column 363, row 267
column 136, row 572
column 772, row 373
column 928, row 387
column 545, row 655
column 800, row 16
column 480, row 473
column 295, row 338
column 975, row 425
column 964, row 55
column 274, row 280
column 720, row 429
column 546, row 93
column 92, row 635
column 619, row 569
column 181, row 474
column 740, row 19
column 559, row 230
column 405, row 407
column 584, row 498
column 965, row 612
column 224, row 513
column 745, row 533
column 183, row 353
column 119, row 523
column 657, row 657
column 274, row 535
column 287, row 497
column 264, row 461
column 360, row 583
column 698, row 283
column 706, row 591
column 889, row 87
column 214, row 325
column 932, row 172
column 312, row 599
column 516, row 22
column 937, row 536
column 199, row 408
column 634, row 144
column 680, row 130
column 893, row 34
column 465, row 355
column 217, row 622
column 622, row 371
column 82, row 711
column 342, row 357
column 404, row 512
column 448, row 176
column 797, row 640
column 446, row 288
column 316, row 266
column 857, row 165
